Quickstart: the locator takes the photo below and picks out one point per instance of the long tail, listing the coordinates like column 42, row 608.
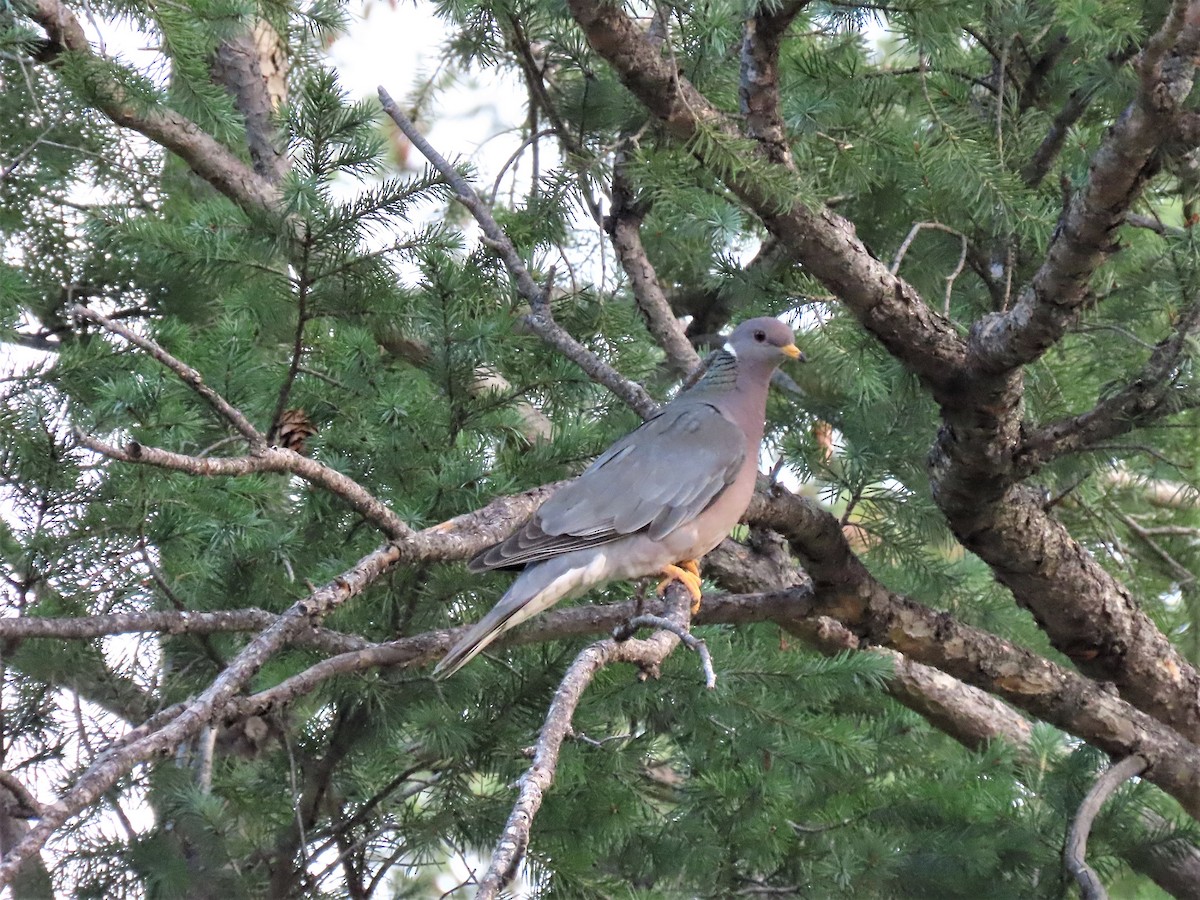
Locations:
column 536, row 589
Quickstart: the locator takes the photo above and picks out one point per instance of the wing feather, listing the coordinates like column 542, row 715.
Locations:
column 656, row 478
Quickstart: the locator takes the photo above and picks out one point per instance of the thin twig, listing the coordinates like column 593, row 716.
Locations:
column 912, row 236
column 531, row 140
column 953, row 276
column 297, row 800
column 1153, row 223
column 187, row 374
column 24, row 154
column 1075, row 851
column 539, row 319
column 1181, row 573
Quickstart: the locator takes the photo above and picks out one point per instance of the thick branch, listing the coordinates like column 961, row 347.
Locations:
column 758, row 92
column 846, row 591
column 974, row 466
column 1118, row 172
column 848, row 594
column 1088, row 614
column 887, row 306
column 252, row 65
column 924, row 636
column 207, row 157
column 577, row 621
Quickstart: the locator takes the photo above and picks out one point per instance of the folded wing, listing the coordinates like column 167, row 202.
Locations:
column 655, row 479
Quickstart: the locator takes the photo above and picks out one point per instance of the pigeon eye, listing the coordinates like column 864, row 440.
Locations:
column 760, row 336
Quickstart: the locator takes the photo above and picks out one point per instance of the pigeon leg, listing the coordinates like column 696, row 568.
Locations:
column 686, row 573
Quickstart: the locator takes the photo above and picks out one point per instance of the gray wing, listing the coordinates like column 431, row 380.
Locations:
column 655, row 479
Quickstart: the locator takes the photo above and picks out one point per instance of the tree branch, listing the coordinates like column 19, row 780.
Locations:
column 186, row 373
column 118, row 760
column 1146, row 398
column 539, row 319
column 689, row 640
column 837, row 619
column 921, row 634
column 1119, row 170
column 1075, row 851
column 1043, row 158
column 575, row 154
column 207, row 157
column 252, row 65
column 624, row 228
column 887, row 306
column 173, row 622
column 271, row 459
column 758, row 90
column 846, row 591
column 1088, row 614
column 648, row 655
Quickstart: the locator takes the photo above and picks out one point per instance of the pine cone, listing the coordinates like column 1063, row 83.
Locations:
column 295, row 427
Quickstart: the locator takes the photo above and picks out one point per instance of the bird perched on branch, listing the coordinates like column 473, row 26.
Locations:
column 655, row 502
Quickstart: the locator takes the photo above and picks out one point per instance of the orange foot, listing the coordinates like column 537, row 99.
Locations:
column 686, row 573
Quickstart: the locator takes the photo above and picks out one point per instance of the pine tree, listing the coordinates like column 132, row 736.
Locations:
column 282, row 391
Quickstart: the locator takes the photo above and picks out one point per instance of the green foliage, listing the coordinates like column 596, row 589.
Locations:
column 799, row 775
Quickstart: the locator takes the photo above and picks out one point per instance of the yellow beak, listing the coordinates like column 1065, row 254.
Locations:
column 793, row 351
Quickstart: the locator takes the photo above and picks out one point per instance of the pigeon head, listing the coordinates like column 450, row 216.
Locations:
column 762, row 344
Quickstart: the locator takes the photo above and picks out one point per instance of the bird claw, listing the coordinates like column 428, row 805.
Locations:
column 686, row 573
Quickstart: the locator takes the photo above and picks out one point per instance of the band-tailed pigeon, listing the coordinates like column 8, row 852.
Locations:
column 654, row 502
